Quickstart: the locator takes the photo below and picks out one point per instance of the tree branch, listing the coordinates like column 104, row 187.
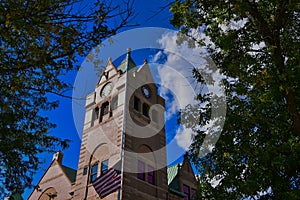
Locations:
column 55, row 93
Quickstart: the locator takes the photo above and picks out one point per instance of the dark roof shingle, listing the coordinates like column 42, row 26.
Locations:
column 71, row 173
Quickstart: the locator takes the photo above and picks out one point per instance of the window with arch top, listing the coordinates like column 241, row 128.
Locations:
column 94, row 172
column 146, row 108
column 146, row 164
column 104, row 108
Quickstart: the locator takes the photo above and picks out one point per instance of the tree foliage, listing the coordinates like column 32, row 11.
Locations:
column 256, row 46
column 40, row 42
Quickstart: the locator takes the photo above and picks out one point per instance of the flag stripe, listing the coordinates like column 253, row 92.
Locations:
column 104, row 176
column 112, row 189
column 115, row 181
column 107, row 183
column 99, row 183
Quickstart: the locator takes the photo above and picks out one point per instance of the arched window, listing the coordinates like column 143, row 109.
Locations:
column 186, row 191
column 104, row 108
column 104, row 166
column 94, row 172
column 146, row 109
column 141, row 170
column 49, row 193
column 96, row 113
column 150, row 177
column 136, row 103
column 146, row 165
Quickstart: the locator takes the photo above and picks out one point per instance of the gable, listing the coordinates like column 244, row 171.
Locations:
column 55, row 177
column 144, row 73
column 109, row 71
column 187, row 167
column 179, row 175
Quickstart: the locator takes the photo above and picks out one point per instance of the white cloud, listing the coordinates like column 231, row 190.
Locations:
column 184, row 137
column 233, row 24
column 176, row 76
column 174, row 81
column 176, row 71
column 258, row 46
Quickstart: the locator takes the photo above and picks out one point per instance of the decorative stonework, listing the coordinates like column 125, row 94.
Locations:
column 107, row 135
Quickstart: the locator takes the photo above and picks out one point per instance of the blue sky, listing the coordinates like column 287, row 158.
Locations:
column 174, row 75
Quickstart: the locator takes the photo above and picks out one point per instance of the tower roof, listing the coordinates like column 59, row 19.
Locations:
column 127, row 63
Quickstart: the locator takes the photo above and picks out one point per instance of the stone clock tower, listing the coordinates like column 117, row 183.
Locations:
column 122, row 154
column 124, row 130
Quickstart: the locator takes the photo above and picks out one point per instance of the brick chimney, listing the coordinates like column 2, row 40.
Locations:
column 58, row 156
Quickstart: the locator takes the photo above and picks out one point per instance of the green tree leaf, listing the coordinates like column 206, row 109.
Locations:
column 256, row 46
column 40, row 41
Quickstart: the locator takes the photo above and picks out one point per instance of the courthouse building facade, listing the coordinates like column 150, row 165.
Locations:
column 123, row 149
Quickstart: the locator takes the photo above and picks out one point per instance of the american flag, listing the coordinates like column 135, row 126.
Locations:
column 107, row 183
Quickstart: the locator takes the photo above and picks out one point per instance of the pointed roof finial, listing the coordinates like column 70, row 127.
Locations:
column 145, row 61
column 58, row 156
column 186, row 155
column 109, row 60
column 128, row 50
column 178, row 166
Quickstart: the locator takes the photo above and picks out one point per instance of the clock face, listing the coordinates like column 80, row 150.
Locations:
column 146, row 91
column 106, row 90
